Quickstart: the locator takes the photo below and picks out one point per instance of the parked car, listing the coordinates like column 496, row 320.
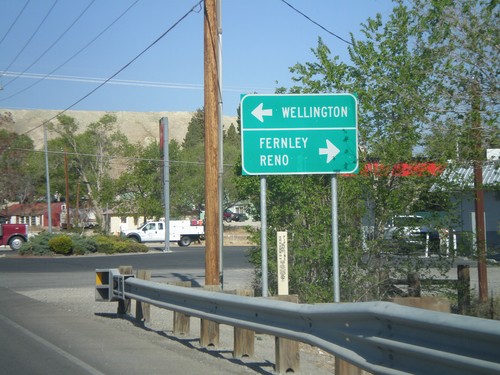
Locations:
column 411, row 233
column 233, row 216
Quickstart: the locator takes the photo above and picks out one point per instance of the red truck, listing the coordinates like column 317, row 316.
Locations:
column 13, row 235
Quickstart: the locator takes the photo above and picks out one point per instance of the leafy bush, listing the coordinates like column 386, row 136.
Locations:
column 62, row 244
column 47, row 243
column 113, row 245
column 84, row 245
column 486, row 310
column 37, row 245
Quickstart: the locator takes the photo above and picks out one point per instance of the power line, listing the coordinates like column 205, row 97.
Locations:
column 75, row 54
column 112, row 158
column 316, row 23
column 198, row 4
column 128, row 82
column 33, row 34
column 14, row 22
column 53, row 44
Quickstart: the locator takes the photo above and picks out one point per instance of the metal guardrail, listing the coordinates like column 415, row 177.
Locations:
column 380, row 337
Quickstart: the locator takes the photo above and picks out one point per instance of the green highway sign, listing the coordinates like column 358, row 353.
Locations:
column 299, row 134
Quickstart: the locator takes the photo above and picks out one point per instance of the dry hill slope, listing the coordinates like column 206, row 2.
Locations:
column 137, row 126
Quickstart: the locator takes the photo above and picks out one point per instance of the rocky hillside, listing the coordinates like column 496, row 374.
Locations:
column 137, row 126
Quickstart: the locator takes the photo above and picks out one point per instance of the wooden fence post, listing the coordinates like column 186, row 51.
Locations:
column 244, row 339
column 287, row 351
column 142, row 309
column 182, row 322
column 413, row 284
column 209, row 330
column 345, row 368
column 463, row 289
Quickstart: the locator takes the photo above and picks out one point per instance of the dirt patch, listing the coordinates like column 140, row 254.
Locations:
column 237, row 236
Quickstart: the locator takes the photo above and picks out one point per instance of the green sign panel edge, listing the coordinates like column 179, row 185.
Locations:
column 307, row 116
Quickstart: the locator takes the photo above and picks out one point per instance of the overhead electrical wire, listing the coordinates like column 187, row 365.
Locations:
column 316, row 23
column 53, row 44
column 111, row 158
column 74, row 55
column 197, row 5
column 174, row 85
column 129, row 82
column 33, row 34
column 14, row 22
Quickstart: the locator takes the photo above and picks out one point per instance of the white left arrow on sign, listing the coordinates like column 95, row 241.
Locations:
column 259, row 112
column 330, row 151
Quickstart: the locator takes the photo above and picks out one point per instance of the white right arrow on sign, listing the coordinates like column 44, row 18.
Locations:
column 330, row 151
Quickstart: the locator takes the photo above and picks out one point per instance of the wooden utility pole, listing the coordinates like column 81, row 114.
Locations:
column 211, row 144
column 479, row 193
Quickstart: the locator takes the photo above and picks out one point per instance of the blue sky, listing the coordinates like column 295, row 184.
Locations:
column 261, row 40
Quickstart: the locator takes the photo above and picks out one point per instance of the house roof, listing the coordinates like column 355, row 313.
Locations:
column 463, row 177
column 33, row 209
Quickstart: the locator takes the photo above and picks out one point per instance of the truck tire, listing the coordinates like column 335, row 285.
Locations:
column 184, row 241
column 16, row 242
column 134, row 238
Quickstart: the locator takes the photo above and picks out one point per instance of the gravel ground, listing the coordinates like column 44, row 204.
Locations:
column 81, row 301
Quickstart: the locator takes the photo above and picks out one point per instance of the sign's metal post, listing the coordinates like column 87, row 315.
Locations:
column 335, row 242
column 263, row 233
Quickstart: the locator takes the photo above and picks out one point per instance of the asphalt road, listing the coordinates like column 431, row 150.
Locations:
column 39, row 338
column 182, row 264
column 55, row 338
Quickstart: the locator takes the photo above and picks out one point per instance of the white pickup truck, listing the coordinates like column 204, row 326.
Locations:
column 181, row 231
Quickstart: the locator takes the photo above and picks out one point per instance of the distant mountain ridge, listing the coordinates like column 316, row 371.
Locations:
column 137, row 126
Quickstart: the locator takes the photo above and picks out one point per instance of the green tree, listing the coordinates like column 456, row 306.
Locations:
column 196, row 130
column 464, row 35
column 16, row 183
column 187, row 177
column 389, row 73
column 232, row 153
column 140, row 186
column 90, row 153
column 177, row 199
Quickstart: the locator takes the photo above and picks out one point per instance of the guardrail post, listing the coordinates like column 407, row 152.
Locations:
column 209, row 331
column 463, row 289
column 124, row 305
column 142, row 309
column 182, row 322
column 287, row 351
column 244, row 339
column 345, row 368
column 413, row 284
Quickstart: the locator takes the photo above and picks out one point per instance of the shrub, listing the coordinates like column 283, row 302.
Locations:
column 47, row 243
column 84, row 245
column 486, row 310
column 37, row 245
column 61, row 244
column 113, row 244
